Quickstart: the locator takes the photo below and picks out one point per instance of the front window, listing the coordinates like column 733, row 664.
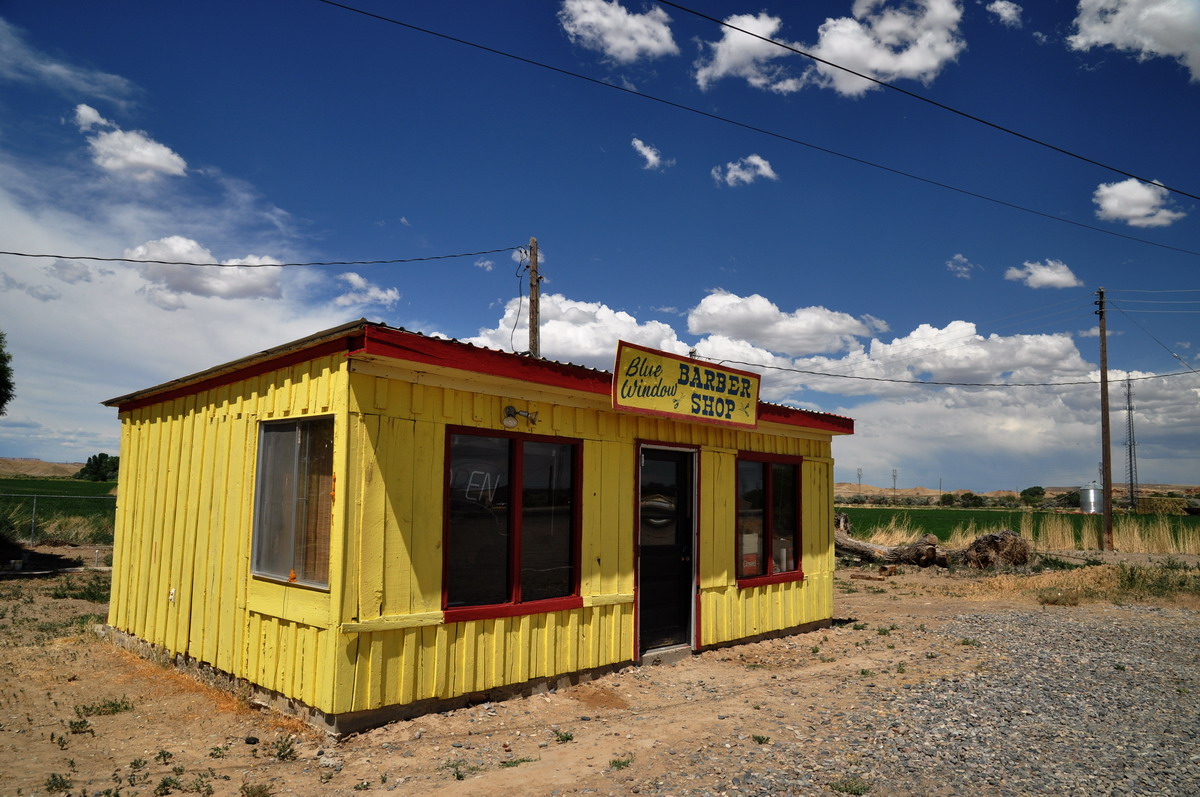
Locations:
column 510, row 521
column 293, row 506
column 768, row 517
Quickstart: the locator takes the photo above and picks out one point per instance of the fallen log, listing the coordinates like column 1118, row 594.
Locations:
column 1001, row 549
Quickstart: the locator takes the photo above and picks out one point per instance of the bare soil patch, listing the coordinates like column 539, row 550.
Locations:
column 77, row 710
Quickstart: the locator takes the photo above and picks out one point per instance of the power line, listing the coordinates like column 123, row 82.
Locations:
column 750, row 127
column 1156, row 340
column 1165, row 290
column 928, row 100
column 266, row 265
column 923, row 382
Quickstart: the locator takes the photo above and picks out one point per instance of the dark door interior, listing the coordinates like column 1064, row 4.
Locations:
column 665, row 539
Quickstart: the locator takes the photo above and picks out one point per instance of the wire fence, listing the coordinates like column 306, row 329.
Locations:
column 76, row 519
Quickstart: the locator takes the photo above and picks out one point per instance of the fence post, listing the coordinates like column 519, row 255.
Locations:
column 33, row 521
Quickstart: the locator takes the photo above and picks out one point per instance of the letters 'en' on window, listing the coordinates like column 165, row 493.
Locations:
column 511, row 521
column 293, row 506
column 768, row 518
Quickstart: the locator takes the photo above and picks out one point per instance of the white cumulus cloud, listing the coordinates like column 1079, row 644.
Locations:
column 650, row 154
column 744, row 171
column 610, row 28
column 758, row 320
column 961, row 267
column 887, row 41
column 364, row 293
column 1136, row 203
column 585, row 333
column 126, row 151
column 1008, row 12
column 168, row 283
column 1149, row 28
column 747, row 57
column 1051, row 274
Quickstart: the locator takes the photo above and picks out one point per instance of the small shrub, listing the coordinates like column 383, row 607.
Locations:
column 256, row 790
column 284, row 748
column 971, row 643
column 219, row 752
column 621, row 763
column 562, row 737
column 515, row 762
column 167, row 785
column 163, row 757
column 759, row 739
column 459, row 769
column 81, row 726
column 850, row 785
column 58, row 782
column 859, row 626
column 104, row 708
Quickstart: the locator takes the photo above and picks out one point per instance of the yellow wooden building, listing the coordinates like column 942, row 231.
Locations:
column 369, row 523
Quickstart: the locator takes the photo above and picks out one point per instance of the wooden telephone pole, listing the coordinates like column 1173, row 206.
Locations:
column 535, row 295
column 1105, row 432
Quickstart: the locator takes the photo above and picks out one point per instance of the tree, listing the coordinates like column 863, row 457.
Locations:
column 99, row 468
column 970, row 500
column 1033, row 496
column 6, row 376
column 947, row 499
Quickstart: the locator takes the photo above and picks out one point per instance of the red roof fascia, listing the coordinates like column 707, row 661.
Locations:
column 400, row 345
column 811, row 420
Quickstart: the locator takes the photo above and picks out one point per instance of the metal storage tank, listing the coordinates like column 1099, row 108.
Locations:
column 1091, row 499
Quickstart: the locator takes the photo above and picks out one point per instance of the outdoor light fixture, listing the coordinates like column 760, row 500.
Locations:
column 510, row 417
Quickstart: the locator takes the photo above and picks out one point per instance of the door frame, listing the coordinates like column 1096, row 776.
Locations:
column 693, row 459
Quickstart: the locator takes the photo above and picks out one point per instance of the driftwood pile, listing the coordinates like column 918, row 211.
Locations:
column 1002, row 549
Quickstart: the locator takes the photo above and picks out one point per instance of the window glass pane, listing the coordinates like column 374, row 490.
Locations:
column 785, row 505
column 274, row 516
column 477, row 546
column 751, row 552
column 547, row 521
column 314, row 509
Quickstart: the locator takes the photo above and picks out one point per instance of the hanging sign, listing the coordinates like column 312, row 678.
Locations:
column 654, row 382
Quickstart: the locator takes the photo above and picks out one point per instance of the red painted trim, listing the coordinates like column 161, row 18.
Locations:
column 514, row 607
column 774, row 578
column 340, row 345
column 791, row 416
column 461, row 614
column 398, row 344
column 383, row 341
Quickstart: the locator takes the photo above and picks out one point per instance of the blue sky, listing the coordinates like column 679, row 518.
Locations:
column 262, row 133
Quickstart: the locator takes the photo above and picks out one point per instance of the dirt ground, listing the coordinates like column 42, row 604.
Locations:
column 79, row 715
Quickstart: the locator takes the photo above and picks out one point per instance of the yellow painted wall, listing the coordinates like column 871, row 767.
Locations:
column 396, row 649
column 184, row 517
column 377, row 636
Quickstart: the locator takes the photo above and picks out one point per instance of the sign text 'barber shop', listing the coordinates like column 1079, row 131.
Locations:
column 657, row 383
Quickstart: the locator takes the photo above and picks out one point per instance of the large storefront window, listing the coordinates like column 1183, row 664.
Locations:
column 510, row 521
column 768, row 517
column 293, row 505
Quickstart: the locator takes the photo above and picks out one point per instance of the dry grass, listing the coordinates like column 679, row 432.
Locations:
column 1152, row 534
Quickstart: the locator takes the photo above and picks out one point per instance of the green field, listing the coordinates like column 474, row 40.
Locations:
column 67, row 509
column 942, row 522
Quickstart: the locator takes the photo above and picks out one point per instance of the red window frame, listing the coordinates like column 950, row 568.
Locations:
column 768, row 538
column 514, row 606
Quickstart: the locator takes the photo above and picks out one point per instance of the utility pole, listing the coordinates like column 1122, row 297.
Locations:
column 535, row 295
column 1105, row 432
column 893, row 485
column 1130, row 447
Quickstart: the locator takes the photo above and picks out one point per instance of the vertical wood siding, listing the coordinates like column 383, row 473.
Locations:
column 184, row 517
column 398, row 434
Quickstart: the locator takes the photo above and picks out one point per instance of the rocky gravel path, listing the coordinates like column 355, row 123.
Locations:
column 1061, row 701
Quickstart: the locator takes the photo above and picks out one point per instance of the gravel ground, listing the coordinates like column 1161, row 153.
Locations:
column 1058, row 704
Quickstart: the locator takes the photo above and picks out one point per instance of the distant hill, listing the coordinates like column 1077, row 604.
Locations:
column 845, row 489
column 36, row 467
